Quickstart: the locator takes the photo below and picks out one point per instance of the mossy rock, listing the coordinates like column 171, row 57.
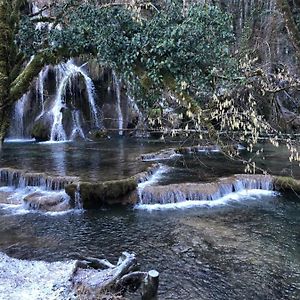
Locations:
column 123, row 191
column 95, row 195
column 98, row 134
column 287, row 184
column 41, row 131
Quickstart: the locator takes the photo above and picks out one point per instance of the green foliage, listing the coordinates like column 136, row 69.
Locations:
column 183, row 51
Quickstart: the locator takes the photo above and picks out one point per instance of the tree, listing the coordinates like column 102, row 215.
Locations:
column 15, row 74
column 157, row 46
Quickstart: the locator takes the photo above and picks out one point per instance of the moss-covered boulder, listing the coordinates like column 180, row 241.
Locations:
column 286, row 184
column 95, row 195
column 98, row 194
column 41, row 131
column 98, row 134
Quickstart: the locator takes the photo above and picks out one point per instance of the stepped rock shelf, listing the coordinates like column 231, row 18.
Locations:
column 63, row 193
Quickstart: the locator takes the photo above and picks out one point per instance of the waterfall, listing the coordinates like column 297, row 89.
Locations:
column 25, row 191
column 17, row 130
column 66, row 72
column 117, row 88
column 21, row 179
column 204, row 193
column 77, row 129
column 78, row 200
column 57, row 131
column 39, row 87
column 135, row 107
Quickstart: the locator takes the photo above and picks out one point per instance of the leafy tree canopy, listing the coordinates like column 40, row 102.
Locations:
column 162, row 46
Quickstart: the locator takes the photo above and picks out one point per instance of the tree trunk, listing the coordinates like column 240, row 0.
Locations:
column 4, row 123
column 6, row 42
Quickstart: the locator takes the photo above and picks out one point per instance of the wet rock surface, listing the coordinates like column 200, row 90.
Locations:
column 47, row 201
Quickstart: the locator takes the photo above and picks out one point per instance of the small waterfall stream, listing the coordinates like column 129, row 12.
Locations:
column 155, row 196
column 117, row 88
column 40, row 90
column 77, row 129
column 17, row 129
column 67, row 72
column 22, row 190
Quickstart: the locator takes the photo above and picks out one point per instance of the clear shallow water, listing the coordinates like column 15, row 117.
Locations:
column 246, row 249
column 240, row 249
column 108, row 159
column 118, row 158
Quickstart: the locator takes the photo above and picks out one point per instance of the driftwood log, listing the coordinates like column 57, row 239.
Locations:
column 93, row 277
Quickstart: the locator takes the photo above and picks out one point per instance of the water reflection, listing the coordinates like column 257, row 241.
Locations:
column 58, row 158
column 117, row 158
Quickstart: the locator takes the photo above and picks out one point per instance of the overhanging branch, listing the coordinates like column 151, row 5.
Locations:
column 21, row 84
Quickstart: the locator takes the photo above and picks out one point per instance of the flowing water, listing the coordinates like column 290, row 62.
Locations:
column 68, row 71
column 17, row 129
column 246, row 246
column 244, row 250
column 117, row 87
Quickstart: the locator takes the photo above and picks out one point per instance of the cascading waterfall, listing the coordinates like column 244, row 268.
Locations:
column 34, row 191
column 20, row 179
column 201, row 193
column 17, row 129
column 65, row 75
column 67, row 72
column 117, row 88
column 40, row 90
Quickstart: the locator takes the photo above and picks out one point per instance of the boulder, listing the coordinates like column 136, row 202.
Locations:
column 41, row 130
column 48, row 201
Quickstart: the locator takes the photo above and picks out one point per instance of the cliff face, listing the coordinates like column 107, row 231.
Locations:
column 260, row 30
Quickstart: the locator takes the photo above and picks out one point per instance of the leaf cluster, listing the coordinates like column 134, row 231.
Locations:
column 168, row 48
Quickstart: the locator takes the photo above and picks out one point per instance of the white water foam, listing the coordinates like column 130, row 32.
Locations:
column 243, row 195
column 34, row 280
column 54, row 142
column 18, row 140
column 155, row 177
column 15, row 204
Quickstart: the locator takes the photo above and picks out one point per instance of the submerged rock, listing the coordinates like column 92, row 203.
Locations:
column 41, row 130
column 6, row 197
column 160, row 155
column 98, row 134
column 47, row 201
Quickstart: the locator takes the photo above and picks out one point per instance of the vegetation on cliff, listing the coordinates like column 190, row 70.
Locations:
column 170, row 52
